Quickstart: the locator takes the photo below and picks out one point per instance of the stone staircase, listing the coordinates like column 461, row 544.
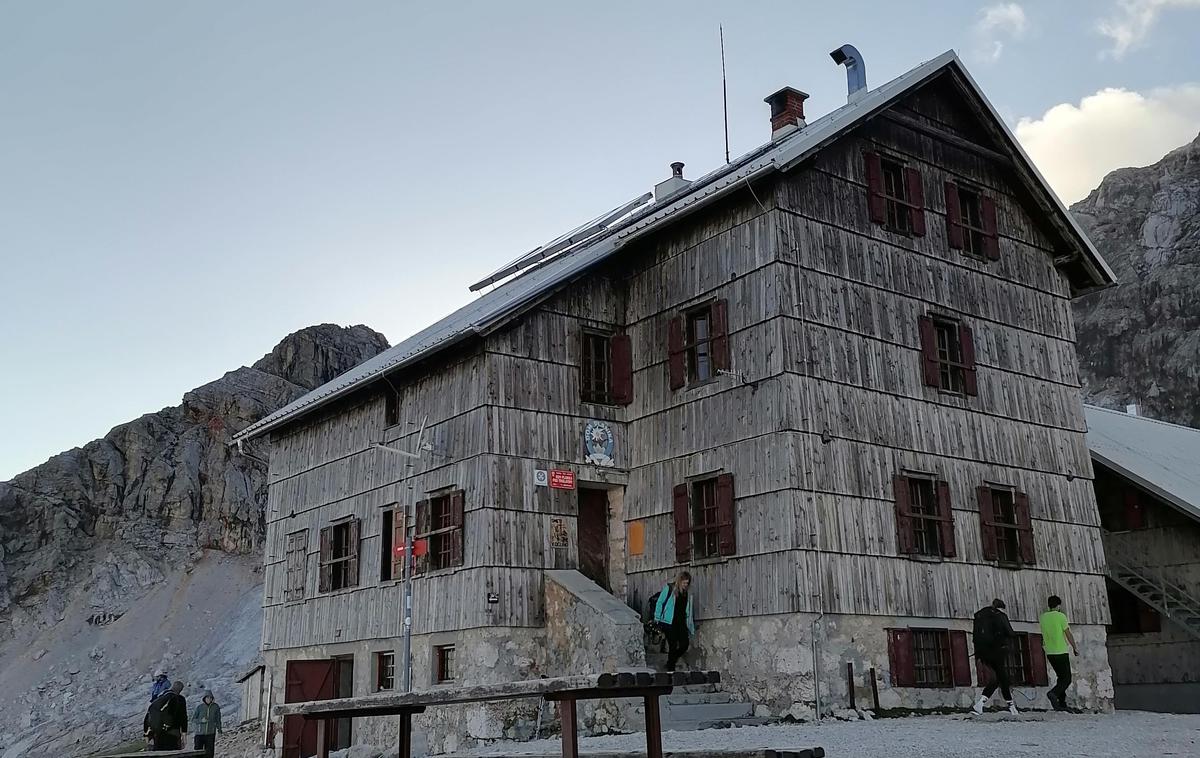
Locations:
column 705, row 706
column 1155, row 590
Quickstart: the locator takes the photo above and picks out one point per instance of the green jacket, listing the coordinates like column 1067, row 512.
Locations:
column 664, row 609
column 207, row 719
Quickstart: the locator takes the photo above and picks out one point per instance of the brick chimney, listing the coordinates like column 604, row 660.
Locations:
column 787, row 111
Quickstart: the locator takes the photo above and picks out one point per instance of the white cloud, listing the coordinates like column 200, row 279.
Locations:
column 1131, row 21
column 997, row 23
column 1075, row 146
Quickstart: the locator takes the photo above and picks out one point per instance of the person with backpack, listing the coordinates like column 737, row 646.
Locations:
column 206, row 723
column 992, row 634
column 1056, row 635
column 167, row 720
column 673, row 615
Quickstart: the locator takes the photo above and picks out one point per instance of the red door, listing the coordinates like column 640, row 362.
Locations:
column 306, row 681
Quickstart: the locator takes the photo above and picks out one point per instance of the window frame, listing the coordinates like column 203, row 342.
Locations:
column 588, row 381
column 951, row 366
column 692, row 344
column 341, row 570
column 1007, row 532
column 391, row 407
column 440, row 533
column 941, row 640
column 444, row 661
column 705, row 519
column 385, row 670
column 929, row 521
column 974, row 235
column 896, row 206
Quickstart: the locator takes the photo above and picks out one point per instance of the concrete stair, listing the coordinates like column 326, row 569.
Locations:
column 702, row 706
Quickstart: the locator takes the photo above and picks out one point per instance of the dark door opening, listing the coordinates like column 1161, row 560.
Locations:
column 305, row 681
column 593, row 535
column 343, row 674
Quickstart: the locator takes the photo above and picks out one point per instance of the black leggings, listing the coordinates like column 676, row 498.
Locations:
column 995, row 661
column 677, row 644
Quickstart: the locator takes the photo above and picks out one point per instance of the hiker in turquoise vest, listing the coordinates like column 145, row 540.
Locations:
column 206, row 723
column 673, row 614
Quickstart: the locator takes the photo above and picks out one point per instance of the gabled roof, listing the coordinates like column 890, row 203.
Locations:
column 1161, row 458
column 500, row 304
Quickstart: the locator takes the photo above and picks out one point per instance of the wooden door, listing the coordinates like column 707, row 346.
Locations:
column 306, row 681
column 593, row 535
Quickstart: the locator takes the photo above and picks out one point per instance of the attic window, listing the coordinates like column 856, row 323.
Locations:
column 971, row 222
column 895, row 195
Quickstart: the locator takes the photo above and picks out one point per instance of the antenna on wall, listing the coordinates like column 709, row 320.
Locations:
column 724, row 92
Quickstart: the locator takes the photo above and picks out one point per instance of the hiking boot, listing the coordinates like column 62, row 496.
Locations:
column 1012, row 708
column 977, row 709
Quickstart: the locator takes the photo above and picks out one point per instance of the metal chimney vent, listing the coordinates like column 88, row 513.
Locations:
column 856, row 71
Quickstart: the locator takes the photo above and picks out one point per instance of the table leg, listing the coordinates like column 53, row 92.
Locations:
column 322, row 739
column 405, row 735
column 654, row 748
column 570, row 734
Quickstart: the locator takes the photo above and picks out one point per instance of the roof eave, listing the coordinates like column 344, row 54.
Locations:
column 1183, row 506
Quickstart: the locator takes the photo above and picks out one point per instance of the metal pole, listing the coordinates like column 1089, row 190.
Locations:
column 408, row 572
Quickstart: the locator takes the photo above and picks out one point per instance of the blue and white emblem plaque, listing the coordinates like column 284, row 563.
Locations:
column 598, row 443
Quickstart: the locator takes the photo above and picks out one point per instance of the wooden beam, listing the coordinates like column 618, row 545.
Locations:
column 946, row 136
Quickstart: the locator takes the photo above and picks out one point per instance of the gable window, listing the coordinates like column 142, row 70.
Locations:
column 606, row 368
column 948, row 355
column 1025, row 662
column 895, row 195
column 444, row 668
column 392, row 536
column 698, row 344
column 930, row 658
column 971, row 222
column 391, row 407
column 385, row 671
column 1005, row 526
column 440, row 527
column 924, row 516
column 339, row 555
column 705, row 519
column 296, row 562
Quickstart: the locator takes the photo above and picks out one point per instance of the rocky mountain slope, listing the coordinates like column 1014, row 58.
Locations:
column 122, row 555
column 1139, row 342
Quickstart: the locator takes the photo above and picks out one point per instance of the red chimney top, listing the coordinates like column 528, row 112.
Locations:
column 787, row 111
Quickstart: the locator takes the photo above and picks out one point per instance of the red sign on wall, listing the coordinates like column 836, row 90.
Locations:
column 561, row 479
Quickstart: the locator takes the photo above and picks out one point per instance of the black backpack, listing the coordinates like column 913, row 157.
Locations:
column 986, row 633
column 651, row 605
column 162, row 718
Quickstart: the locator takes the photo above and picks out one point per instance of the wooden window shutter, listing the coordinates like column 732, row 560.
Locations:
column 991, row 235
column 900, row 658
column 904, row 528
column 960, row 659
column 1036, row 665
column 946, row 513
column 929, row 360
column 424, row 521
column 954, row 230
column 325, row 579
column 1024, row 528
column 354, row 528
column 916, row 199
column 621, row 390
column 683, row 524
column 987, row 520
column 966, row 343
column 876, row 205
column 1135, row 515
column 457, row 519
column 726, row 516
column 399, row 543
column 720, row 335
column 676, row 358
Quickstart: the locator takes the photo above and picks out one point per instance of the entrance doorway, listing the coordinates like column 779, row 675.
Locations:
column 593, row 535
column 305, row 681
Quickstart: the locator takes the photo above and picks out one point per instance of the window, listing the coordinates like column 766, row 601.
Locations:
column 391, row 407
column 895, row 195
column 296, row 563
column 929, row 658
column 705, row 519
column 597, row 368
column 971, row 222
column 440, row 528
column 948, row 355
column 924, row 516
column 1129, row 614
column 385, row 671
column 698, row 344
column 444, row 669
column 1005, row 526
column 1026, row 663
column 392, row 538
column 339, row 556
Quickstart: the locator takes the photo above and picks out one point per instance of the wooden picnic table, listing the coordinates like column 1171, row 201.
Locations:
column 566, row 691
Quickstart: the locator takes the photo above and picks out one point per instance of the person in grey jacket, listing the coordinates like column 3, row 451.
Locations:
column 206, row 724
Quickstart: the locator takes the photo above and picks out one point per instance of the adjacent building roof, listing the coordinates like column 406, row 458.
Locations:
column 513, row 296
column 1162, row 458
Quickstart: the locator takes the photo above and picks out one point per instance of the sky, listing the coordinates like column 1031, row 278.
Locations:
column 182, row 184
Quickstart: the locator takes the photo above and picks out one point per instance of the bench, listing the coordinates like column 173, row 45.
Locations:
column 566, row 691
column 155, row 754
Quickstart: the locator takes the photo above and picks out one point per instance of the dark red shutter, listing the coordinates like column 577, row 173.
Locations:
column 991, row 236
column 946, row 513
column 354, row 529
column 916, row 199
column 987, row 520
column 676, row 358
column 683, row 524
column 399, row 543
column 1024, row 527
column 720, row 335
column 424, row 521
column 726, row 516
column 876, row 205
column 1135, row 515
column 960, row 659
column 954, row 230
column 929, row 359
column 325, row 578
column 622, row 369
column 1037, row 662
column 901, row 659
column 966, row 342
column 904, row 527
column 457, row 499
column 1148, row 618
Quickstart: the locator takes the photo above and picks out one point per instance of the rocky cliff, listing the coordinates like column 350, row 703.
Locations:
column 123, row 555
column 1139, row 342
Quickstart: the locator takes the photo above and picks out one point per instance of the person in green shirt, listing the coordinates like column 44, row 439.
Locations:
column 1056, row 635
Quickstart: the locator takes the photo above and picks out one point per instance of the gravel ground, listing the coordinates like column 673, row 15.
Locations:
column 1044, row 735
